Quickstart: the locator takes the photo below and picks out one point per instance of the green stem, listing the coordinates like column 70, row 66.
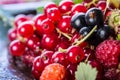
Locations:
column 89, row 34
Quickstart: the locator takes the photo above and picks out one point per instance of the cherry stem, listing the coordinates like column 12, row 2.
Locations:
column 89, row 34
column 64, row 34
column 92, row 2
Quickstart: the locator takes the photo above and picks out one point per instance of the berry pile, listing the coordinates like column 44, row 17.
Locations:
column 55, row 42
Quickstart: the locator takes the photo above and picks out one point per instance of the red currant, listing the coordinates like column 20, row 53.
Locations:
column 75, row 54
column 36, row 73
column 54, row 14
column 26, row 29
column 12, row 34
column 17, row 48
column 101, row 5
column 46, row 27
column 78, row 8
column 49, row 41
column 49, row 6
column 64, row 24
column 19, row 19
column 65, row 6
column 60, row 57
column 33, row 43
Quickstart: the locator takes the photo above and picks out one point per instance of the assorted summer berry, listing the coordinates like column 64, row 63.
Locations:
column 53, row 43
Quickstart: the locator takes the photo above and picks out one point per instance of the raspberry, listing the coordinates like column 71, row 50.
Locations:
column 54, row 71
column 107, row 53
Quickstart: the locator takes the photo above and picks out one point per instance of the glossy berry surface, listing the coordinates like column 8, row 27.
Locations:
column 33, row 43
column 101, row 5
column 59, row 57
column 49, row 6
column 65, row 6
column 78, row 8
column 19, row 19
column 12, row 34
column 84, row 31
column 49, row 42
column 17, row 48
column 46, row 27
column 75, row 54
column 64, row 24
column 78, row 20
column 26, row 29
column 54, row 14
column 94, row 16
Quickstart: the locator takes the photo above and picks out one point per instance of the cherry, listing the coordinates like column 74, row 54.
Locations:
column 64, row 24
column 60, row 57
column 54, row 14
column 49, row 6
column 17, row 48
column 75, row 54
column 34, row 42
column 12, row 34
column 78, row 8
column 19, row 19
column 65, row 6
column 49, row 41
column 46, row 27
column 26, row 29
column 101, row 5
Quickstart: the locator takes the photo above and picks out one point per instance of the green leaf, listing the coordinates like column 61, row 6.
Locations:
column 118, row 36
column 56, row 1
column 40, row 9
column 85, row 72
column 77, row 1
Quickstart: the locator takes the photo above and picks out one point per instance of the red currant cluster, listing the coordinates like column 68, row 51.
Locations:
column 59, row 36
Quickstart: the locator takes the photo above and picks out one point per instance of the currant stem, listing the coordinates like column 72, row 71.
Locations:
column 64, row 34
column 89, row 34
column 62, row 50
column 92, row 2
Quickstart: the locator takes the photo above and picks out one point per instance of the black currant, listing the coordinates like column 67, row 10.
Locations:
column 94, row 16
column 84, row 31
column 78, row 20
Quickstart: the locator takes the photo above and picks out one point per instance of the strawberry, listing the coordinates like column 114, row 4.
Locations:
column 54, row 71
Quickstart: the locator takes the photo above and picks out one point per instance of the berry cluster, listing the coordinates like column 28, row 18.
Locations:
column 64, row 35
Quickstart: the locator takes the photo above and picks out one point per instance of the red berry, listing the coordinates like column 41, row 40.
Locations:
column 26, row 29
column 12, row 34
column 49, row 41
column 60, row 57
column 19, row 19
column 47, row 57
column 34, row 42
column 101, row 5
column 36, row 73
column 17, row 48
column 65, row 6
column 75, row 54
column 38, row 19
column 54, row 14
column 38, row 64
column 78, row 8
column 46, row 27
column 49, row 6
column 108, row 52
column 53, row 71
column 64, row 24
